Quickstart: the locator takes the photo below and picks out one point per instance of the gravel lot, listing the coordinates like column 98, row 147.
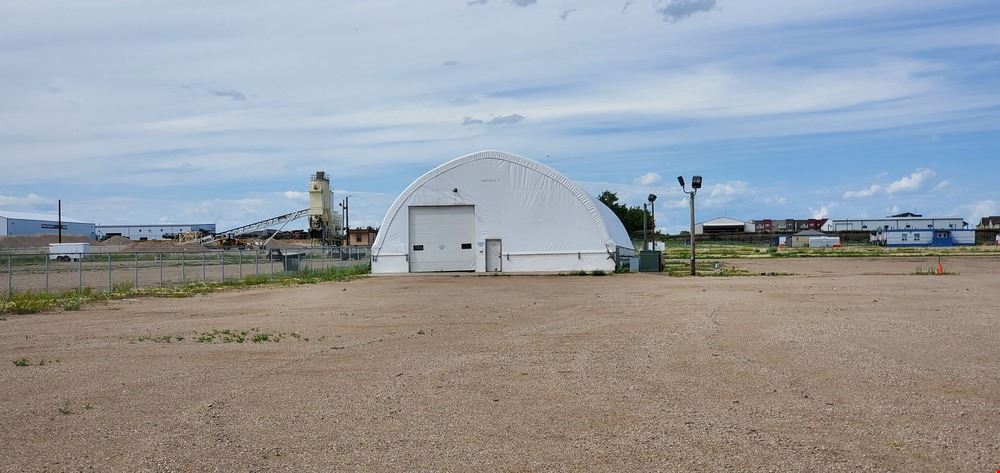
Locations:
column 852, row 365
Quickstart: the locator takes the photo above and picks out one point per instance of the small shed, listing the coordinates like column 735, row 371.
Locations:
column 812, row 239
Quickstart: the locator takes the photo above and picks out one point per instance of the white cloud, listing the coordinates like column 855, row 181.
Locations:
column 870, row 191
column 983, row 208
column 648, row 179
column 298, row 196
column 910, row 183
column 913, row 182
column 942, row 185
column 822, row 212
column 31, row 201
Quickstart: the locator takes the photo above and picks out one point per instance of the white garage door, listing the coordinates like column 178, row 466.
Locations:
column 441, row 238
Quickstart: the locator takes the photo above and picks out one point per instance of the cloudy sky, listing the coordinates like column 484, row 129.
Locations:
column 197, row 111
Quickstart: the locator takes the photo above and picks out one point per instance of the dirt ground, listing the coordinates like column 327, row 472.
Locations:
column 853, row 365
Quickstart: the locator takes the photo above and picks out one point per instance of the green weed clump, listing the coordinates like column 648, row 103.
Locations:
column 931, row 271
column 22, row 362
column 71, row 304
column 255, row 335
column 28, row 302
column 160, row 338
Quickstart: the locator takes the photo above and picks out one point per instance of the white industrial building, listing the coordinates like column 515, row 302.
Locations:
column 164, row 231
column 494, row 211
column 28, row 223
column 925, row 237
column 724, row 225
column 894, row 223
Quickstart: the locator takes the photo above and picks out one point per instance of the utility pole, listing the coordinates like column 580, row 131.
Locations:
column 59, row 223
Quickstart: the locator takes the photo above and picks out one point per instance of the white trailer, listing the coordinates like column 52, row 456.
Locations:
column 68, row 251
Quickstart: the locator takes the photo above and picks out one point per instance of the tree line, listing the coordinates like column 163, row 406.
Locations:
column 631, row 217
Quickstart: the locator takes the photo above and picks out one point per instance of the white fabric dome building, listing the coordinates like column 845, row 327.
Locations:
column 494, row 211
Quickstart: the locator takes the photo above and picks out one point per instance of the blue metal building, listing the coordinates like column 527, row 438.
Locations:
column 29, row 223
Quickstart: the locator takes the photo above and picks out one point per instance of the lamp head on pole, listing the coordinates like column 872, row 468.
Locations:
column 696, row 182
column 680, row 180
column 652, row 198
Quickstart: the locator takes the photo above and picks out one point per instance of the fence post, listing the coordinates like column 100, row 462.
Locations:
column 222, row 257
column 183, row 268
column 10, row 278
column 204, row 273
column 109, row 273
column 79, row 271
column 159, row 256
column 46, row 273
column 136, row 282
column 271, row 259
column 241, row 262
column 256, row 261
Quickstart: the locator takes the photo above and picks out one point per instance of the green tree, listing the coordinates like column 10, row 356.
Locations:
column 631, row 217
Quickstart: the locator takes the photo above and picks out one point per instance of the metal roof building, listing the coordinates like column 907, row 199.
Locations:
column 30, row 223
column 160, row 231
column 724, row 225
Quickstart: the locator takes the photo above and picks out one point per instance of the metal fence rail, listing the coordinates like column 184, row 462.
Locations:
column 36, row 272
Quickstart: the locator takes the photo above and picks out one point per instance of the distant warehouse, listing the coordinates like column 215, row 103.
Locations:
column 910, row 229
column 905, row 221
column 28, row 223
column 165, row 231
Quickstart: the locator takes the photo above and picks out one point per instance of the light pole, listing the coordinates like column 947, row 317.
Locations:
column 695, row 185
column 652, row 216
column 645, row 238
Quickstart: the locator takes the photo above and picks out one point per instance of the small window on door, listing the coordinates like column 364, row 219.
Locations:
column 466, row 246
column 418, row 247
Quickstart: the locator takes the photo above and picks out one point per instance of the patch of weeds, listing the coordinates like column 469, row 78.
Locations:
column 33, row 302
column 254, row 335
column 88, row 406
column 71, row 304
column 22, row 362
column 598, row 272
column 28, row 302
column 931, row 271
column 704, row 268
column 66, row 408
column 160, row 338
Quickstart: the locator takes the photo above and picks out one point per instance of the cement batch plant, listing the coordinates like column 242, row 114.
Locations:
column 493, row 211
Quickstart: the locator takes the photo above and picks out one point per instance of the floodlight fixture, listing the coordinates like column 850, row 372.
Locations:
column 696, row 182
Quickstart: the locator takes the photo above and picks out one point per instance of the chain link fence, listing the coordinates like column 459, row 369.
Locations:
column 40, row 272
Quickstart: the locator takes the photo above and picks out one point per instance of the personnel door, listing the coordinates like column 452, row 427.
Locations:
column 493, row 259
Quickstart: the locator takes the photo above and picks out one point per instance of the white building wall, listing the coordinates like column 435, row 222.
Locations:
column 19, row 227
column 840, row 225
column 544, row 221
column 912, row 238
column 150, row 232
column 964, row 237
